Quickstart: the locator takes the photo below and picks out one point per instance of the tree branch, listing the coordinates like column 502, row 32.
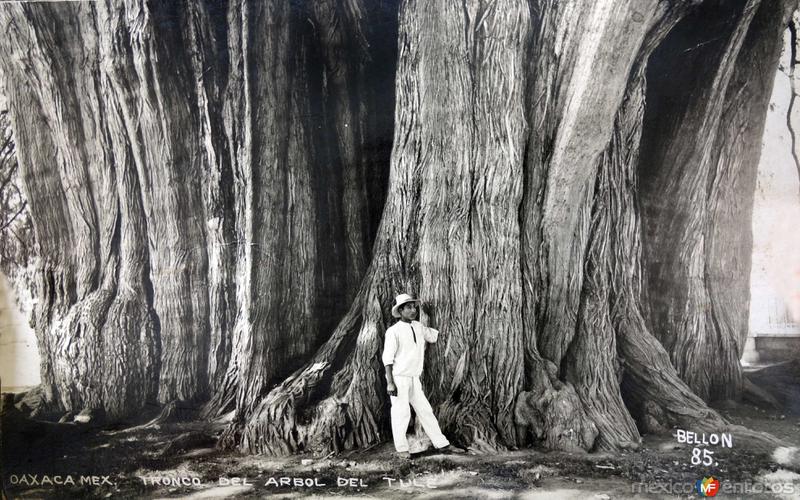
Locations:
column 793, row 93
column 14, row 217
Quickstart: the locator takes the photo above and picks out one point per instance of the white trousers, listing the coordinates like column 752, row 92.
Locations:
column 409, row 390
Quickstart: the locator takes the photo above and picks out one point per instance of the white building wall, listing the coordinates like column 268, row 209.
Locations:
column 19, row 356
column 775, row 277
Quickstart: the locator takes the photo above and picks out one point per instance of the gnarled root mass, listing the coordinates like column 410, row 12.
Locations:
column 514, row 209
column 328, row 405
column 552, row 414
column 597, row 377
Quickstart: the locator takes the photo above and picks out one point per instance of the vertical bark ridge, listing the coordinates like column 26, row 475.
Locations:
column 563, row 293
column 79, row 332
column 678, row 184
column 653, row 391
column 471, row 189
column 608, row 267
column 130, row 332
column 279, row 271
column 206, row 28
column 170, row 193
column 572, row 122
column 731, row 190
column 592, row 364
column 236, row 110
column 344, row 52
column 42, row 189
column 315, row 408
column 42, row 182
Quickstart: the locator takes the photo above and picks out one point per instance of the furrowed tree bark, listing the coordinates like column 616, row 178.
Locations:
column 592, row 365
column 315, row 191
column 343, row 45
column 210, row 71
column 559, row 215
column 334, row 402
column 571, row 125
column 451, row 195
column 700, row 155
column 171, row 193
column 732, row 190
column 180, row 222
column 281, row 264
column 566, row 275
column 469, row 232
column 76, row 211
column 652, row 391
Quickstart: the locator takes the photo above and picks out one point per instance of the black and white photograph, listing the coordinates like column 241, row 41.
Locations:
column 414, row 249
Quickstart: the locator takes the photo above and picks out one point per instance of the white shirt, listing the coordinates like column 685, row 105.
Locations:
column 400, row 349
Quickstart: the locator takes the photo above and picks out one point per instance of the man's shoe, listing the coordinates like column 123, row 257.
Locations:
column 450, row 450
column 405, row 455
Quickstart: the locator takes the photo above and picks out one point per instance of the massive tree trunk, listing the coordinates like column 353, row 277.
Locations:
column 582, row 137
column 208, row 170
column 344, row 54
column 459, row 165
column 702, row 135
column 77, row 213
column 179, row 198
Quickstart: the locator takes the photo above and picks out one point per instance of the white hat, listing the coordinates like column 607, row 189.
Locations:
column 399, row 301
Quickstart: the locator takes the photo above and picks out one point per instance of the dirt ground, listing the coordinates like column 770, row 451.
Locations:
column 121, row 463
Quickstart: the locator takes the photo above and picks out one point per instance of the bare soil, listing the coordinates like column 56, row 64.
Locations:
column 153, row 462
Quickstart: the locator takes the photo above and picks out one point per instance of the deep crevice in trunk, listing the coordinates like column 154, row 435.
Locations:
column 513, row 209
column 708, row 88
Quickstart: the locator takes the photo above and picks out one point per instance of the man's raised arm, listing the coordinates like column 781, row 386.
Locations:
column 429, row 334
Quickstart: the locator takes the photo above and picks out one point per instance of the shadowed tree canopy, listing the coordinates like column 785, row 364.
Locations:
column 227, row 195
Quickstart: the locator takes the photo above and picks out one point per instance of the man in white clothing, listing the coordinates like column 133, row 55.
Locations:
column 403, row 357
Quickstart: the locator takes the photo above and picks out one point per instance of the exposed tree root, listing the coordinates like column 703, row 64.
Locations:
column 34, row 402
column 299, row 414
column 186, row 441
column 553, row 413
column 653, row 381
column 782, row 381
column 469, row 422
column 758, row 396
column 653, row 378
column 172, row 412
column 223, row 400
column 591, row 361
column 105, row 354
